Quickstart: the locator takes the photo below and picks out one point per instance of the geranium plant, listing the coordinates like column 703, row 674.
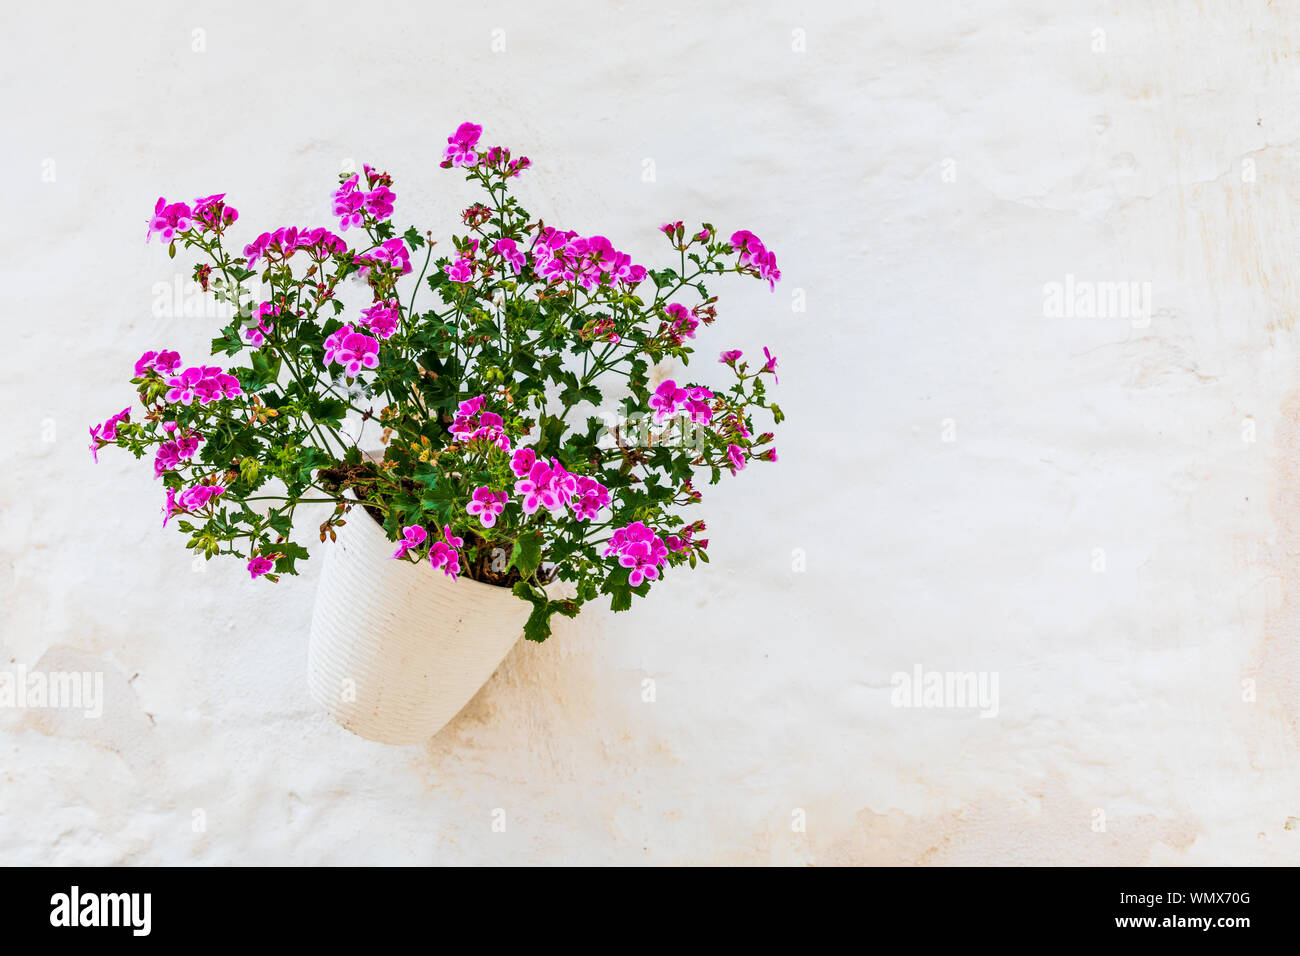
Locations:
column 497, row 463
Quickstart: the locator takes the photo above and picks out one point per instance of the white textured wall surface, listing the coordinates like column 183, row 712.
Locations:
column 922, row 171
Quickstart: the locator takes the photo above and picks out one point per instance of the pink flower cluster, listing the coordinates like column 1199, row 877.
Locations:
column 668, row 399
column 755, row 255
column 460, row 146
column 589, row 497
column 442, row 554
column 168, row 219
column 101, row 435
column 412, row 537
column 681, row 325
column 553, row 488
column 382, row 317
column 164, row 362
column 391, row 254
column 351, row 349
column 211, row 213
column 486, row 504
column 473, row 424
column 498, row 159
column 202, row 383
column 180, row 447
column 258, row 333
column 462, row 270
column 687, row 541
column 593, row 261
column 352, row 203
column 513, row 255
column 318, row 243
column 601, row 328
column 462, row 150
column 640, row 550
column 191, row 499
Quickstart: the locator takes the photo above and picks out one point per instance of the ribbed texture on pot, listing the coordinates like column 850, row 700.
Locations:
column 398, row 649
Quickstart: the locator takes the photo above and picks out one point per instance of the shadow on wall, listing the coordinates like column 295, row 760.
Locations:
column 544, row 703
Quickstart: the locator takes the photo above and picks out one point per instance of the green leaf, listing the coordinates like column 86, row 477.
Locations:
column 527, row 554
column 290, row 552
column 538, row 626
column 621, row 598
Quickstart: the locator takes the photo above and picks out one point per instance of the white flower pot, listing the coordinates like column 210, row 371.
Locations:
column 397, row 649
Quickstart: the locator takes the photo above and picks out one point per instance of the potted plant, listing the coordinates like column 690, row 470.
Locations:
column 502, row 491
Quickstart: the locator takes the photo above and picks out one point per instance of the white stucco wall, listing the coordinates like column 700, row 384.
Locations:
column 922, row 171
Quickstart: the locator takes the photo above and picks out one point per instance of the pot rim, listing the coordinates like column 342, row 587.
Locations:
column 374, row 529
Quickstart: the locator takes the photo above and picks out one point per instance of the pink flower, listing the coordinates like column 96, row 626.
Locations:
column 471, row 406
column 391, row 253
column 167, row 362
column 736, row 455
column 413, row 536
column 460, row 148
column 351, row 349
column 511, row 253
column 697, row 405
column 168, row 219
column 381, row 318
column 204, row 383
column 175, row 450
column 547, row 486
column 563, row 257
column 213, row 213
column 756, row 256
column 443, row 554
column 257, row 335
column 682, row 325
column 730, row 357
column 522, row 462
column 191, row 499
column 640, row 550
column 474, row 424
column 771, row 365
column 256, row 249
column 321, row 243
column 486, row 505
column 462, row 270
column 259, row 565
column 101, row 435
column 670, row 228
column 589, row 497
column 666, row 400
column 145, row 363
column 379, row 202
column 348, row 200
